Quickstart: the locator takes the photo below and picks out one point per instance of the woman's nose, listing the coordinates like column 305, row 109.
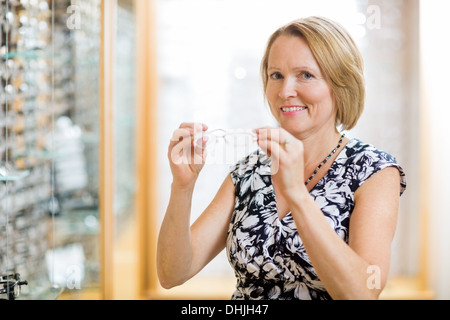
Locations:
column 288, row 89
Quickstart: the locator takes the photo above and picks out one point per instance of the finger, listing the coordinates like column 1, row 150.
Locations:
column 186, row 130
column 268, row 133
column 194, row 127
column 192, row 124
column 257, row 130
column 199, row 155
column 271, row 147
column 273, row 150
column 189, row 130
column 180, row 151
column 201, row 141
column 180, row 134
column 281, row 136
column 187, row 152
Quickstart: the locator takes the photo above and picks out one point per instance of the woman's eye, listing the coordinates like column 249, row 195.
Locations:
column 306, row 76
column 276, row 76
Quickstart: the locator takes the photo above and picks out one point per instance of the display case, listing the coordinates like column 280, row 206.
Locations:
column 49, row 146
column 73, row 185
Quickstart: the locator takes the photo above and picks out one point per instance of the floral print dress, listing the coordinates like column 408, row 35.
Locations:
column 266, row 253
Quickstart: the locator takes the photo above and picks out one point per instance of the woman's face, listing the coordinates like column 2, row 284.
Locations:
column 299, row 97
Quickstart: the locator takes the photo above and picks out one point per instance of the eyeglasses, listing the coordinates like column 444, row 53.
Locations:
column 237, row 138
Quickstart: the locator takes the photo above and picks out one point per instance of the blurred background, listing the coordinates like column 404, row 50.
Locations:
column 92, row 90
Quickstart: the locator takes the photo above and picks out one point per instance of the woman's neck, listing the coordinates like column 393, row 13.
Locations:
column 319, row 145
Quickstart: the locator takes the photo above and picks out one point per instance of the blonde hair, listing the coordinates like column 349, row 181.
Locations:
column 338, row 57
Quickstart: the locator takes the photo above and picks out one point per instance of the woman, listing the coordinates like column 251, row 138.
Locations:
column 311, row 214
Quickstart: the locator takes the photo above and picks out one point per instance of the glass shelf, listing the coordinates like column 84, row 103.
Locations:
column 9, row 174
column 36, row 153
column 31, row 54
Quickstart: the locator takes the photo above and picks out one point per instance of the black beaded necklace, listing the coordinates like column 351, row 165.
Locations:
column 326, row 159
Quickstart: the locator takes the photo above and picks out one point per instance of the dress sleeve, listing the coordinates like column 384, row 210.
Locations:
column 372, row 161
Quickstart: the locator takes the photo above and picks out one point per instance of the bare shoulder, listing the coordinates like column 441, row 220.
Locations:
column 385, row 181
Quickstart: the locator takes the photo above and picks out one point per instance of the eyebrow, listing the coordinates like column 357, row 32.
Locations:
column 294, row 69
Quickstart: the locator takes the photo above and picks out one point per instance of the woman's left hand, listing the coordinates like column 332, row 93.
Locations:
column 286, row 154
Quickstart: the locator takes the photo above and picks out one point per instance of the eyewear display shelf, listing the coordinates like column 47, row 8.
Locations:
column 48, row 150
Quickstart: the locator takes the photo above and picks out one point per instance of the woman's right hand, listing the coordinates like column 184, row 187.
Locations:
column 186, row 156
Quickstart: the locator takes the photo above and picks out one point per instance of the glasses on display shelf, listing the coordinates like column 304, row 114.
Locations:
column 9, row 94
column 10, row 70
column 46, row 71
column 25, row 198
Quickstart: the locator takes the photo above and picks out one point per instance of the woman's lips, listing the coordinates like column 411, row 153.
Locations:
column 292, row 110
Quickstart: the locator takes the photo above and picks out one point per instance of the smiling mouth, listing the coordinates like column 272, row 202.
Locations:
column 293, row 108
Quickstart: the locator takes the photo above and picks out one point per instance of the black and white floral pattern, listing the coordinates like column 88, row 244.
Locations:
column 267, row 253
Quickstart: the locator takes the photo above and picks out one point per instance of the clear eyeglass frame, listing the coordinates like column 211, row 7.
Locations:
column 238, row 138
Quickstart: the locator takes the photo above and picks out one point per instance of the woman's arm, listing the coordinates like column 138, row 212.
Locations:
column 348, row 271
column 184, row 250
column 345, row 270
